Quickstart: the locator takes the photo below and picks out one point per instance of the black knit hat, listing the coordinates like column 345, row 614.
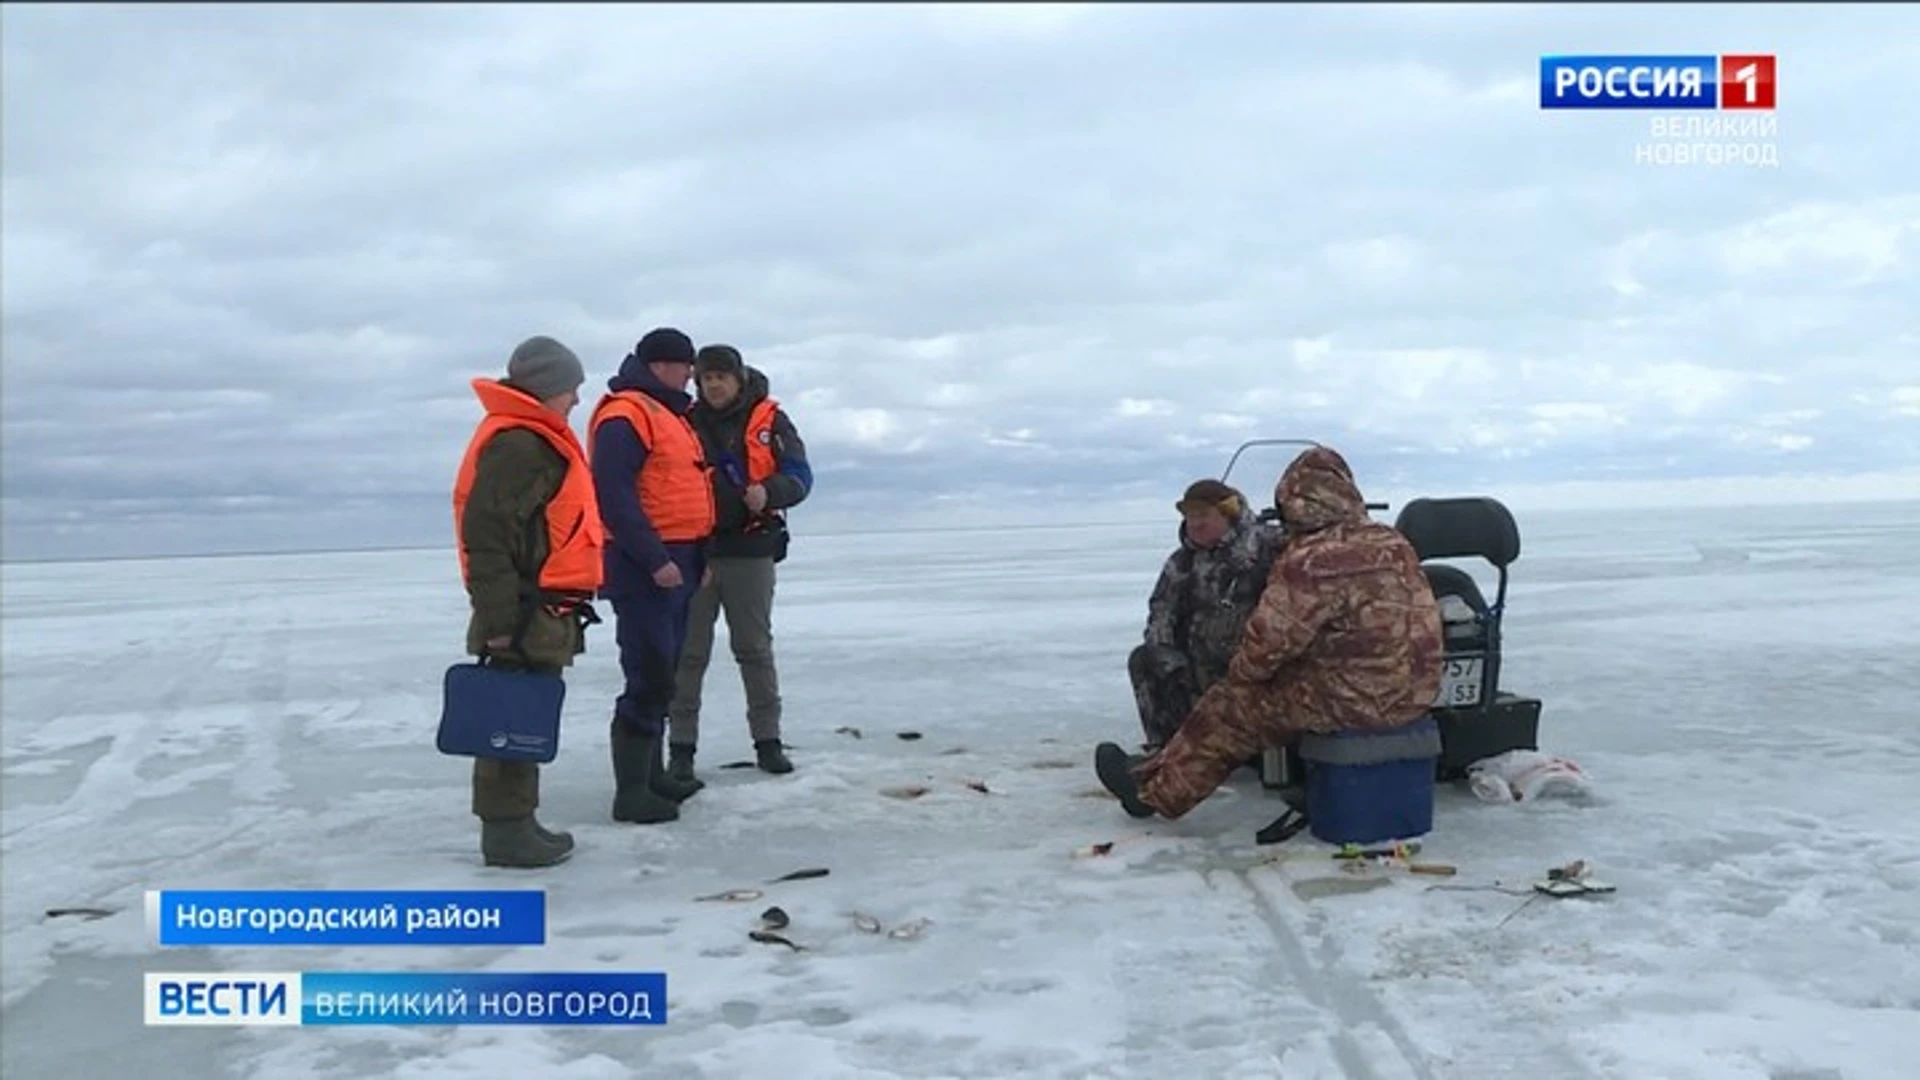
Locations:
column 724, row 358
column 664, row 345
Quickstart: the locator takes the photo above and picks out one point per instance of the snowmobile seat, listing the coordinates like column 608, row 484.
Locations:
column 1453, row 581
column 1477, row 719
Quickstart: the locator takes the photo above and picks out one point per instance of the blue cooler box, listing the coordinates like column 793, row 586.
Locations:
column 1371, row 787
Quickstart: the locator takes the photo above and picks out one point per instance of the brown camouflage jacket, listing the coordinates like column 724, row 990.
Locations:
column 1200, row 604
column 1346, row 607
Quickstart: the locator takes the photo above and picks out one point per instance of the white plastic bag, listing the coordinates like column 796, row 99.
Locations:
column 1525, row 775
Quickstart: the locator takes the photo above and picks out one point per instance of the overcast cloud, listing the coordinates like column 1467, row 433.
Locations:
column 991, row 258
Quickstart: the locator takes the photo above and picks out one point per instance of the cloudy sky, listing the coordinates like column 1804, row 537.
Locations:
column 995, row 260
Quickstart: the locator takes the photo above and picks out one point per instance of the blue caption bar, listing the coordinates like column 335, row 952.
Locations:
column 406, row 997
column 348, row 917
column 1629, row 82
column 331, row 998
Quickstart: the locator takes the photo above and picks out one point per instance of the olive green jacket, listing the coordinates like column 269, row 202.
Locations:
column 505, row 535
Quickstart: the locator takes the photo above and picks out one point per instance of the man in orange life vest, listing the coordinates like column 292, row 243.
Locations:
column 760, row 470
column 657, row 502
column 529, row 536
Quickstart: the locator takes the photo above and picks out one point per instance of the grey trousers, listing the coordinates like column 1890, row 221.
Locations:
column 743, row 590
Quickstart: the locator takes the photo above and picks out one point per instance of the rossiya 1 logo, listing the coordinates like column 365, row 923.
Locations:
column 1729, row 81
column 1744, row 84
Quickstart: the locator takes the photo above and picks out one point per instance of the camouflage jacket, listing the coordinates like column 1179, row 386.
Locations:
column 1346, row 607
column 1201, row 602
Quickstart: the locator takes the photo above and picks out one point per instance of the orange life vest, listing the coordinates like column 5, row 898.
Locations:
column 761, row 464
column 675, row 491
column 575, row 536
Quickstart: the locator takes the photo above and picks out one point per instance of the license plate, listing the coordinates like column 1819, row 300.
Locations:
column 1460, row 682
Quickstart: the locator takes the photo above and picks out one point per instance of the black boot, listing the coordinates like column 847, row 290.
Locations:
column 667, row 783
column 773, row 757
column 1115, row 770
column 635, row 757
column 680, row 763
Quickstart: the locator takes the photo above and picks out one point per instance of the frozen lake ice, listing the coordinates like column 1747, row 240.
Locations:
column 1741, row 685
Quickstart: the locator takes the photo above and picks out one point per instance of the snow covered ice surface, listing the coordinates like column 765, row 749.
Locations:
column 1740, row 685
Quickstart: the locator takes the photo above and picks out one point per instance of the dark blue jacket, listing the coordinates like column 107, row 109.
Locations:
column 636, row 550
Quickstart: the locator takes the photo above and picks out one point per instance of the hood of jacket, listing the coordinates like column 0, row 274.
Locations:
column 634, row 374
column 1317, row 491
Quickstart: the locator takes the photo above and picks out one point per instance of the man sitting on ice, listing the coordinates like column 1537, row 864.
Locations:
column 1199, row 606
column 1345, row 637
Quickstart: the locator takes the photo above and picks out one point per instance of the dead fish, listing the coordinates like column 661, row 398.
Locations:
column 1573, row 871
column 802, row 875
column 909, row 930
column 1092, row 850
column 88, row 913
column 740, row 765
column 1093, row 793
column 866, row 924
column 1054, row 765
column 768, row 937
column 853, row 731
column 909, row 736
column 774, row 918
column 979, row 786
column 734, row 895
column 911, row 792
column 952, row 750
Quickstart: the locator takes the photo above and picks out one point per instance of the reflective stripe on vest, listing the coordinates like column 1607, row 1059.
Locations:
column 673, row 485
column 575, row 537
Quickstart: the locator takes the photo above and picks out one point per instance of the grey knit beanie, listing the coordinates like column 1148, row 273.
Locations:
column 545, row 368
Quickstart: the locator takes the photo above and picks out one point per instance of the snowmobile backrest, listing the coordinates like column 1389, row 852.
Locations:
column 1459, row 528
column 1477, row 527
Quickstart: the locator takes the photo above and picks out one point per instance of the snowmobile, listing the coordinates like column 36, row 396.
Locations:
column 1476, row 718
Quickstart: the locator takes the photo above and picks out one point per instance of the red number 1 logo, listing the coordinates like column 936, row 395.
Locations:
column 1747, row 82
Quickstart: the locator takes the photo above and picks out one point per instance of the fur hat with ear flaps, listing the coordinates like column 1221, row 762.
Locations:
column 1213, row 494
column 724, row 358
